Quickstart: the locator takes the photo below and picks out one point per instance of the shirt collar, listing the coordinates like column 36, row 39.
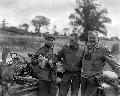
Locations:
column 96, row 46
column 75, row 47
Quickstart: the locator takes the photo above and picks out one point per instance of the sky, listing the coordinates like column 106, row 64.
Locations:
column 23, row 11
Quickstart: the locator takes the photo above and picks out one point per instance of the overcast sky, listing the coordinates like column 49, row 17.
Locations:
column 22, row 11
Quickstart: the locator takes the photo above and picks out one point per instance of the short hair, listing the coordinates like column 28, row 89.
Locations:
column 93, row 32
column 74, row 34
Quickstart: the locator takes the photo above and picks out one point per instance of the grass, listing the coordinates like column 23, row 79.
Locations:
column 24, row 42
column 20, row 43
column 28, row 43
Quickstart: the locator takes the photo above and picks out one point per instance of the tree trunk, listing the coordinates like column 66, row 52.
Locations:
column 86, row 35
column 39, row 30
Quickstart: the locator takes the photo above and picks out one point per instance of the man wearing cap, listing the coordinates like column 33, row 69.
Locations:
column 70, row 56
column 45, row 68
column 93, row 61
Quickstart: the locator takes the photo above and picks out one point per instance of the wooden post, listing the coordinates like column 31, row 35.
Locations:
column 5, row 53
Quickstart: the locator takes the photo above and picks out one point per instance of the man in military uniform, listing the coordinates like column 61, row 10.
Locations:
column 70, row 56
column 93, row 61
column 45, row 68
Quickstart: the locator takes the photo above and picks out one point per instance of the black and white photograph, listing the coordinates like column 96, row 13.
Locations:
column 59, row 47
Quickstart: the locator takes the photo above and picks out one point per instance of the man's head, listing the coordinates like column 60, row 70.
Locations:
column 93, row 37
column 49, row 40
column 73, row 39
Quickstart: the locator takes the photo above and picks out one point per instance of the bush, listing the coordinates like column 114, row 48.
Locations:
column 13, row 29
column 115, row 49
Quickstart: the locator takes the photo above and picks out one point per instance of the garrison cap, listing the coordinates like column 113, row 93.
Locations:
column 49, row 36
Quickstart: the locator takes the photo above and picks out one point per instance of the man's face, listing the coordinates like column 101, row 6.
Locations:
column 73, row 40
column 93, row 38
column 49, row 42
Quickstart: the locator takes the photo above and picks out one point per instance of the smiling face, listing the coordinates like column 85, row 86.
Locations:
column 49, row 42
column 73, row 40
column 93, row 38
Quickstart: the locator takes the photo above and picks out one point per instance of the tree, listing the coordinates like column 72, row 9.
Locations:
column 19, row 27
column 25, row 26
column 114, row 38
column 46, row 28
column 90, row 17
column 45, row 34
column 115, row 49
column 40, row 21
column 54, row 28
column 4, row 23
column 13, row 29
column 55, row 33
column 64, row 34
column 66, row 31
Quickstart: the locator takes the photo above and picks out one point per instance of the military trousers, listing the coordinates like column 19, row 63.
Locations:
column 87, row 86
column 90, row 86
column 70, row 80
column 47, row 88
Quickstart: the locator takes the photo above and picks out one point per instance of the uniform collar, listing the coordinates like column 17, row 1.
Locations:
column 96, row 46
column 74, row 47
column 46, row 48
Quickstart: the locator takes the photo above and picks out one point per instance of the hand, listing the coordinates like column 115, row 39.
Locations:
column 42, row 61
column 58, row 80
column 51, row 63
column 60, row 67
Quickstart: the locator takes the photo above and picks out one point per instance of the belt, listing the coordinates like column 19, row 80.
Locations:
column 72, row 71
column 87, row 77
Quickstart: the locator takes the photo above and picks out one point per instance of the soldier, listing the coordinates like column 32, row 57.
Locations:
column 45, row 68
column 70, row 56
column 93, row 62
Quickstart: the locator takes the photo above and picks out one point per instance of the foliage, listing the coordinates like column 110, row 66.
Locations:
column 13, row 29
column 114, row 38
column 56, row 33
column 25, row 26
column 65, row 34
column 54, row 30
column 45, row 34
column 40, row 21
column 115, row 49
column 4, row 25
column 90, row 17
column 66, row 31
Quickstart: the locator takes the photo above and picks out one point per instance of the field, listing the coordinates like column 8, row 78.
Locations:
column 23, row 44
column 29, row 44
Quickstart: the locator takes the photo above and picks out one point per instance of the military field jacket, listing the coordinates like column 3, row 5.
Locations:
column 71, row 58
column 47, row 73
column 94, row 60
